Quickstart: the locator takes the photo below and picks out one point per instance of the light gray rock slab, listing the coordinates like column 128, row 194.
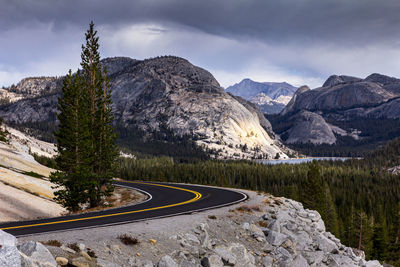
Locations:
column 212, row 261
column 10, row 257
column 192, row 238
column 341, row 260
column 243, row 256
column 274, row 226
column 6, row 239
column 373, row 263
column 275, row 238
column 314, row 257
column 38, row 253
column 267, row 261
column 167, row 261
column 326, row 244
column 256, row 231
column 226, row 255
column 300, row 261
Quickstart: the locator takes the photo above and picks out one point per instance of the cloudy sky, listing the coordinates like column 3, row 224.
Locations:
column 298, row 41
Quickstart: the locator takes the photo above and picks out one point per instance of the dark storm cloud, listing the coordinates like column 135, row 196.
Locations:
column 298, row 41
column 348, row 21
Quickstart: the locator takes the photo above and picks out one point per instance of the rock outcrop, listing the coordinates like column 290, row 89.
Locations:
column 309, row 127
column 268, row 96
column 168, row 91
column 29, row 254
column 343, row 92
column 341, row 104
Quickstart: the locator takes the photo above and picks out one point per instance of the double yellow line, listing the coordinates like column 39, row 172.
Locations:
column 197, row 197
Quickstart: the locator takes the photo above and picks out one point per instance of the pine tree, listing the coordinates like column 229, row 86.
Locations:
column 85, row 136
column 313, row 193
column 72, row 137
column 379, row 236
column 330, row 215
column 363, row 231
column 102, row 143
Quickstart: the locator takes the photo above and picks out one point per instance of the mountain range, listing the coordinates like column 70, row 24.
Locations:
column 270, row 97
column 166, row 99
column 345, row 112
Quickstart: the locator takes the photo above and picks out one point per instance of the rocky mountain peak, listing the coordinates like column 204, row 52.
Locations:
column 116, row 64
column 35, row 86
column 381, row 79
column 270, row 97
column 290, row 105
column 334, row 80
column 302, row 89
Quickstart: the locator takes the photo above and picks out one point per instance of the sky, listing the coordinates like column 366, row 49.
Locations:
column 301, row 42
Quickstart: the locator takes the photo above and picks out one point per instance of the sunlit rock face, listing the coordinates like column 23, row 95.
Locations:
column 171, row 91
column 191, row 102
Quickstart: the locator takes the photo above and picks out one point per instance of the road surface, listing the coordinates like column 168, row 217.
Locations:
column 164, row 200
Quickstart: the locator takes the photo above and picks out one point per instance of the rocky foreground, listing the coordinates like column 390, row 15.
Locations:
column 278, row 232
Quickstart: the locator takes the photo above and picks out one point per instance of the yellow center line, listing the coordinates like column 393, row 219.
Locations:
column 197, row 197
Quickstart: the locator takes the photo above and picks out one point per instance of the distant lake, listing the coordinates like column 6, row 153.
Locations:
column 298, row 161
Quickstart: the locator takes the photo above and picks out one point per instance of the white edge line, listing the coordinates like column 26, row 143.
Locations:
column 245, row 197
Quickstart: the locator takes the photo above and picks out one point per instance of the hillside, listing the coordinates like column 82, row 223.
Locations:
column 345, row 113
column 270, row 97
column 25, row 193
column 167, row 100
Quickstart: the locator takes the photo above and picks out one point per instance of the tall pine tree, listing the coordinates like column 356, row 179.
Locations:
column 86, row 136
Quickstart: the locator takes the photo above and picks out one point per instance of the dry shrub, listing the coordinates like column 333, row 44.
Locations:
column 255, row 208
column 263, row 224
column 277, row 202
column 128, row 240
column 53, row 243
column 267, row 201
column 74, row 246
column 91, row 253
column 244, row 208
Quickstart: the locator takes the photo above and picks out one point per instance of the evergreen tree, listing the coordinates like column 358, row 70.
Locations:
column 3, row 133
column 380, row 236
column 72, row 137
column 313, row 193
column 102, row 134
column 330, row 215
column 85, row 137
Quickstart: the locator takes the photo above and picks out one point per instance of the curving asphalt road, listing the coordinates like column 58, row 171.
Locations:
column 164, row 200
